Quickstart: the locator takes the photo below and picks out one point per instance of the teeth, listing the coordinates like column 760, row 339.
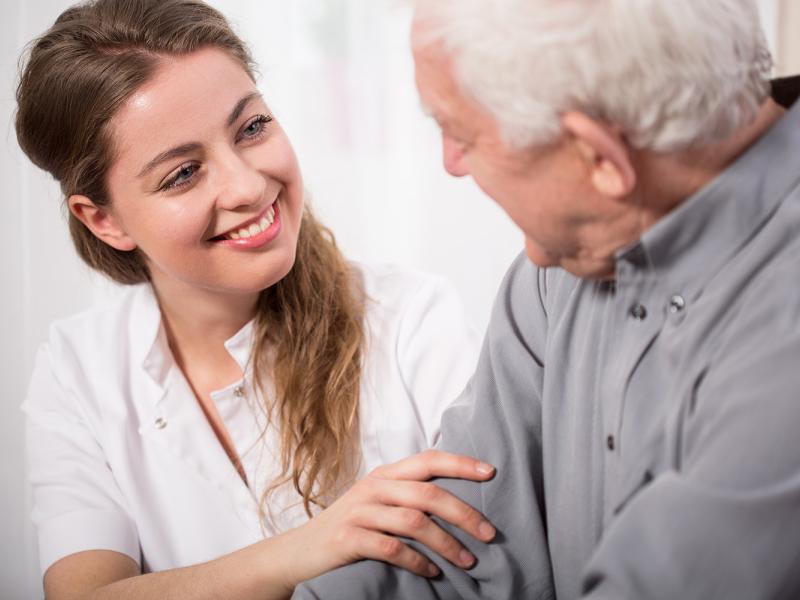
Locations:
column 256, row 228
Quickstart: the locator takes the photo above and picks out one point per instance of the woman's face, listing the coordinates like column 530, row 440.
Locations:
column 205, row 182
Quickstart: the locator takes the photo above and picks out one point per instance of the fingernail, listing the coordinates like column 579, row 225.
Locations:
column 433, row 569
column 465, row 558
column 486, row 530
column 484, row 468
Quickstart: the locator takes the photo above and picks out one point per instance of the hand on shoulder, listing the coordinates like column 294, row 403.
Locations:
column 394, row 500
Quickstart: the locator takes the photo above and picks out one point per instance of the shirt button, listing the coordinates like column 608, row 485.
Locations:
column 638, row 312
column 676, row 303
column 160, row 423
column 238, row 391
column 610, row 443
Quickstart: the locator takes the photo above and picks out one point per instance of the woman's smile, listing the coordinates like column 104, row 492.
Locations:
column 255, row 232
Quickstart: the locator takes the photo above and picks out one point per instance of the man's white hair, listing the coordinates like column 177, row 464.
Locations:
column 671, row 73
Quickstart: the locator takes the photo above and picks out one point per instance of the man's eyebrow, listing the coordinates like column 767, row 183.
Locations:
column 194, row 146
column 441, row 120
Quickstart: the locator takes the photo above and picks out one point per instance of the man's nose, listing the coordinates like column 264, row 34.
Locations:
column 454, row 158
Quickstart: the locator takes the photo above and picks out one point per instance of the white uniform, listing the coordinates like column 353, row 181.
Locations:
column 121, row 456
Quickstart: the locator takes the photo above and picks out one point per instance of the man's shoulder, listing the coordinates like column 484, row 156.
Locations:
column 529, row 301
column 747, row 319
column 773, row 295
column 528, row 288
column 763, row 275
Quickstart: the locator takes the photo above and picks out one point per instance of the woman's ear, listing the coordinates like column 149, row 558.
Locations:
column 100, row 222
column 606, row 153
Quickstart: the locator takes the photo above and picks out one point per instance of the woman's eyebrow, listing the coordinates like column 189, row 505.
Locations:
column 194, row 146
column 169, row 155
column 240, row 106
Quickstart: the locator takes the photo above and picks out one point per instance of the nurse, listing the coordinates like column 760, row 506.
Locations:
column 200, row 438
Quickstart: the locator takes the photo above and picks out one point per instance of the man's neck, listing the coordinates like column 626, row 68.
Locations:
column 666, row 181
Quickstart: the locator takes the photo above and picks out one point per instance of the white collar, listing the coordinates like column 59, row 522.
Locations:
column 149, row 338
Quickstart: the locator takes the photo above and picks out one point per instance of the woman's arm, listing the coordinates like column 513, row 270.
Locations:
column 393, row 499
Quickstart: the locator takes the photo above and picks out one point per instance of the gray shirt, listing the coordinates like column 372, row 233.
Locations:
column 646, row 431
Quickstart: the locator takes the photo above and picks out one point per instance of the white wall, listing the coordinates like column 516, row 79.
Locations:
column 41, row 281
column 338, row 74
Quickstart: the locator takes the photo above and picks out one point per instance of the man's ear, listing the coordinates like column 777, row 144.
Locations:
column 100, row 222
column 606, row 153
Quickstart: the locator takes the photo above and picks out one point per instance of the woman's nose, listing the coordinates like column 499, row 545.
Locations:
column 241, row 183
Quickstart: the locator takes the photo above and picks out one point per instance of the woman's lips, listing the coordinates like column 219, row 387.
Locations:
column 255, row 235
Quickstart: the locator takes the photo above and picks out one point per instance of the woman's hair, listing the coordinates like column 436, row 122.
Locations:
column 670, row 73
column 309, row 326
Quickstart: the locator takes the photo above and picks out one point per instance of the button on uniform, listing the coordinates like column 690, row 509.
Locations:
column 638, row 312
column 677, row 303
column 610, row 443
column 238, row 391
column 160, row 423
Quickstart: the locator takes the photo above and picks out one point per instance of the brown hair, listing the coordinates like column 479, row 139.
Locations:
column 309, row 326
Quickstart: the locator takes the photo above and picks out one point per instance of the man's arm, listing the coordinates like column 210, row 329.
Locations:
column 498, row 419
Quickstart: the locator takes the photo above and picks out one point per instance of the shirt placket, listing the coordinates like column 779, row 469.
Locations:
column 638, row 319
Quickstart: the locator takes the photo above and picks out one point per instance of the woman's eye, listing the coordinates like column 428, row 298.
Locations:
column 255, row 127
column 181, row 178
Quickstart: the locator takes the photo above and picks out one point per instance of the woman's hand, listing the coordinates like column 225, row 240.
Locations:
column 393, row 500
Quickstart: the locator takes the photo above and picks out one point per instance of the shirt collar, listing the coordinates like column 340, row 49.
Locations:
column 240, row 345
column 149, row 338
column 691, row 244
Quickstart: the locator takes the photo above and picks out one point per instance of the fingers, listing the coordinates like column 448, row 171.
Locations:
column 417, row 525
column 435, row 463
column 394, row 499
column 379, row 546
column 430, row 498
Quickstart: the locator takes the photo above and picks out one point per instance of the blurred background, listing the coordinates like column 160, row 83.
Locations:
column 338, row 74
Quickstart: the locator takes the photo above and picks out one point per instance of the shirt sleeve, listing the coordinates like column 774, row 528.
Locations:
column 77, row 505
column 498, row 419
column 437, row 350
column 726, row 523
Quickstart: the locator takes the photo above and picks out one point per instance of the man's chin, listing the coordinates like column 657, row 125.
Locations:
column 597, row 270
column 539, row 257
column 579, row 267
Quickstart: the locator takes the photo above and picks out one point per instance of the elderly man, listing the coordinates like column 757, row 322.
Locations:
column 639, row 386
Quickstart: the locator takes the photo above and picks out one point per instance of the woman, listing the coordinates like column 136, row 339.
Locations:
column 180, row 439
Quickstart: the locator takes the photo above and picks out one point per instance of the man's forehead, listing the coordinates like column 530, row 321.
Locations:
column 422, row 27
column 441, row 95
column 437, row 99
column 434, row 69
